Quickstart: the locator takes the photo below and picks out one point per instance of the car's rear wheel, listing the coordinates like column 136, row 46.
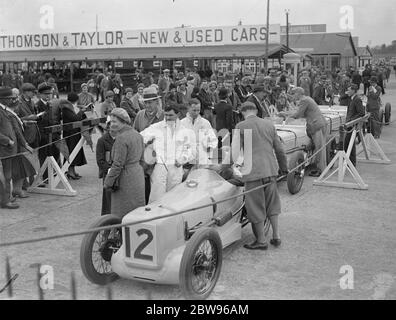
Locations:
column 295, row 179
column 387, row 113
column 97, row 249
column 201, row 264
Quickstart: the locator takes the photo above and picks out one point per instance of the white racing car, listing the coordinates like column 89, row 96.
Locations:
column 184, row 249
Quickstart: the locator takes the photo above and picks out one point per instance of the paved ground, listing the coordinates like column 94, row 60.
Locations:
column 323, row 229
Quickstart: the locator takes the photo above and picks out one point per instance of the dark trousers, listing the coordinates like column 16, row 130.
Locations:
column 147, row 187
column 106, row 200
column 5, row 190
column 366, row 86
column 43, row 153
column 374, row 126
column 352, row 156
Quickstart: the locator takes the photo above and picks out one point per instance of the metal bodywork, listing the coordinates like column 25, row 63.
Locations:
column 152, row 251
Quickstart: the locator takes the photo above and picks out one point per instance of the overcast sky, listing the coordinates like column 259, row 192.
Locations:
column 374, row 22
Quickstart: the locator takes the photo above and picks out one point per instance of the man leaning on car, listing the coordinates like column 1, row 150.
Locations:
column 260, row 167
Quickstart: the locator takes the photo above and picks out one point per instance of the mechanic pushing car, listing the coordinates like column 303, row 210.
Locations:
column 316, row 126
column 259, row 168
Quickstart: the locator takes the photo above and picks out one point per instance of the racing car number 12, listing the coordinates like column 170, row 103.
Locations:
column 139, row 243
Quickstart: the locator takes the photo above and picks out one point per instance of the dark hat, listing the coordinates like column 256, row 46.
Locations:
column 374, row 79
column 223, row 93
column 44, row 88
column 172, row 86
column 72, row 97
column 5, row 92
column 28, row 87
column 128, row 90
column 354, row 87
column 121, row 114
column 189, row 78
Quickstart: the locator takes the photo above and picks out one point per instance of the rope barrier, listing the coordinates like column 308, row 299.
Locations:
column 86, row 231
column 45, row 145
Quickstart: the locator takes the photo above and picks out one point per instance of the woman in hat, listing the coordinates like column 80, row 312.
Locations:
column 126, row 170
column 72, row 113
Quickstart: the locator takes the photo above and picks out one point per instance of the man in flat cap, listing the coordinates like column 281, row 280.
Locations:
column 256, row 140
column 316, row 126
column 127, row 104
column 373, row 106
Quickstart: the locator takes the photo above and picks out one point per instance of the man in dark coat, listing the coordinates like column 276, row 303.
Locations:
column 49, row 115
column 366, row 75
column 355, row 110
column 71, row 113
column 28, row 113
column 373, row 106
column 10, row 140
column 223, row 112
column 103, row 159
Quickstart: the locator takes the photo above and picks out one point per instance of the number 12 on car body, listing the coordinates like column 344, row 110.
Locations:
column 140, row 244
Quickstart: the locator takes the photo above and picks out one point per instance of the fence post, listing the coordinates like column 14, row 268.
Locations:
column 73, row 287
column 8, row 277
column 40, row 290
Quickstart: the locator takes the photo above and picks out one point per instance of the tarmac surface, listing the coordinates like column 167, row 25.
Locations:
column 325, row 232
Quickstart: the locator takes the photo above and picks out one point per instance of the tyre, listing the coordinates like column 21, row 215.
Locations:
column 381, row 116
column 201, row 264
column 387, row 113
column 295, row 179
column 331, row 150
column 97, row 249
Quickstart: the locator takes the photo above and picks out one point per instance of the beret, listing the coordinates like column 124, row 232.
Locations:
column 374, row 79
column 223, row 93
column 121, row 114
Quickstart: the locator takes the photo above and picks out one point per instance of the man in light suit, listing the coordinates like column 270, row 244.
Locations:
column 264, row 157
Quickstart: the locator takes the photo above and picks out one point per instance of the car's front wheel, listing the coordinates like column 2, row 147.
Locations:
column 97, row 249
column 201, row 264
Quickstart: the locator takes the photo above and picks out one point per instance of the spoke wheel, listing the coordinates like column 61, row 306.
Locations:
column 295, row 179
column 97, row 249
column 201, row 264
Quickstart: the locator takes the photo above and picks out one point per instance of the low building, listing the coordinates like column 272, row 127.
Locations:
column 330, row 50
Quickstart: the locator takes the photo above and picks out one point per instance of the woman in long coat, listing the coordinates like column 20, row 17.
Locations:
column 127, row 156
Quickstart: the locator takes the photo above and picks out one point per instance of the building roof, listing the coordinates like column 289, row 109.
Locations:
column 364, row 52
column 220, row 52
column 322, row 43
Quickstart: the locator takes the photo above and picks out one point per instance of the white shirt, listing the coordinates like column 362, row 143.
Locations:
column 205, row 137
column 170, row 142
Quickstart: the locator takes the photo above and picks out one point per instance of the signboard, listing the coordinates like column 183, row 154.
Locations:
column 178, row 63
column 175, row 37
column 157, row 63
column 118, row 64
column 307, row 28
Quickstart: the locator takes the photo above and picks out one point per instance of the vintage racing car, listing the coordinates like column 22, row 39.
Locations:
column 172, row 248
